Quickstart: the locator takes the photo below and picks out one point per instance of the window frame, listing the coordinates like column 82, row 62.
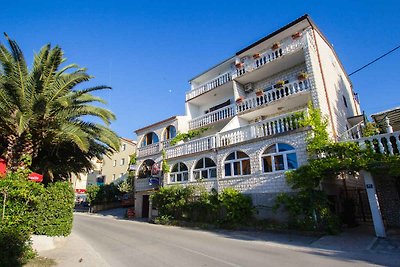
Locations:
column 207, row 169
column 274, row 155
column 173, row 176
column 232, row 162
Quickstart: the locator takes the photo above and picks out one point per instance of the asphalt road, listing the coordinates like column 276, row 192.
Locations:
column 127, row 243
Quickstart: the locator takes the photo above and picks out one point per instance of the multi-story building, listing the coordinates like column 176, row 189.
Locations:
column 115, row 167
column 249, row 104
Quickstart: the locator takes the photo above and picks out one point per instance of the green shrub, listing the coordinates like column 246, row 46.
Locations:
column 15, row 246
column 102, row 194
column 237, row 208
column 54, row 210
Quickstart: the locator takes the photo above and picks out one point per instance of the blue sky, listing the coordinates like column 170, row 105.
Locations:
column 148, row 50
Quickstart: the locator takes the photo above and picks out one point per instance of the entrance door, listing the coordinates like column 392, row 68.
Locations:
column 145, row 206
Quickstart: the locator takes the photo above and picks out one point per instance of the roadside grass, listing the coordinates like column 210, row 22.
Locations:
column 41, row 262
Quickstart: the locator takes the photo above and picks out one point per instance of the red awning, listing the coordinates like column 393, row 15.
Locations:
column 36, row 177
column 3, row 165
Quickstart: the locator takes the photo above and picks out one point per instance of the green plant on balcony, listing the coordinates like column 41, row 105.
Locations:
column 187, row 136
column 256, row 55
column 164, row 165
column 302, row 76
column 279, row 83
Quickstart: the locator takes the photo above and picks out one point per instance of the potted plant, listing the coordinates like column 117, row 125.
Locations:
column 279, row 83
column 275, row 46
column 296, row 35
column 238, row 65
column 239, row 100
column 256, row 55
column 302, row 76
column 259, row 92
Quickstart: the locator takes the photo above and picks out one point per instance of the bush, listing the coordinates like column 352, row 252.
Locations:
column 197, row 205
column 15, row 247
column 54, row 210
column 102, row 194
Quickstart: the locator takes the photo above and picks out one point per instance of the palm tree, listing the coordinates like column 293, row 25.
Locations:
column 42, row 114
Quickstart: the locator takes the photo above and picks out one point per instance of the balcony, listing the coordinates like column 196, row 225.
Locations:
column 148, row 150
column 292, row 88
column 254, row 103
column 265, row 128
column 212, row 117
column 388, row 143
column 267, row 63
column 208, row 86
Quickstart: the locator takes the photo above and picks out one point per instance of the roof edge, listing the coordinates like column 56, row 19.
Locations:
column 156, row 123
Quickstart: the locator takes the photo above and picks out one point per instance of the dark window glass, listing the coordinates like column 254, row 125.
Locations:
column 228, row 169
column 196, row 175
column 271, row 149
column 213, row 173
column 199, row 164
column 246, row 167
column 279, row 163
column 175, row 168
column 267, row 164
column 172, row 177
column 230, row 156
column 209, row 162
column 284, row 147
column 241, row 155
column 204, row 174
column 185, row 176
column 183, row 167
column 292, row 161
column 236, row 168
column 345, row 101
column 178, row 177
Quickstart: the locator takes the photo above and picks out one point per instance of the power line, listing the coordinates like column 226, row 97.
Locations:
column 375, row 60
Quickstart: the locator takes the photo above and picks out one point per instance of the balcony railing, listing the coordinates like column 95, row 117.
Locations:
column 388, row 143
column 191, row 147
column 260, row 129
column 148, row 150
column 286, row 47
column 214, row 116
column 272, row 95
column 208, row 86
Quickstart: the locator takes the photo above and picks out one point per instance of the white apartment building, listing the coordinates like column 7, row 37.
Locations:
column 249, row 104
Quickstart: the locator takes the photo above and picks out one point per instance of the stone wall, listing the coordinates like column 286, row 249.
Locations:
column 389, row 200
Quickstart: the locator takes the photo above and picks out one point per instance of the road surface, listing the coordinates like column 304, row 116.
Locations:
column 115, row 242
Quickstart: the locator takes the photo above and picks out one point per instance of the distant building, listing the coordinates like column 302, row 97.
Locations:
column 249, row 104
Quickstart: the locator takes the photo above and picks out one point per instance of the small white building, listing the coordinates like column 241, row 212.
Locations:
column 249, row 105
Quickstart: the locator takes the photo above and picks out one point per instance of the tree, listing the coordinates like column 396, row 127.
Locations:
column 46, row 121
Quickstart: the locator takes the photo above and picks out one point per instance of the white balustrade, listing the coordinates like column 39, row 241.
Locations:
column 354, row 132
column 263, row 128
column 191, row 147
column 388, row 143
column 272, row 95
column 214, row 116
column 148, row 150
column 208, row 86
column 287, row 46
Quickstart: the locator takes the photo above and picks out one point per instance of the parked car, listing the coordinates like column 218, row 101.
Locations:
column 127, row 200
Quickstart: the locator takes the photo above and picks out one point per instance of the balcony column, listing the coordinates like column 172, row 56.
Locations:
column 374, row 204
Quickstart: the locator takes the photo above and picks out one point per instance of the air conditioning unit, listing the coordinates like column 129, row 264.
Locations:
column 248, row 87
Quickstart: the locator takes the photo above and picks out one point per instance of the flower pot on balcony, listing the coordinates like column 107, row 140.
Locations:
column 239, row 65
column 239, row 100
column 256, row 55
column 296, row 35
column 302, row 76
column 259, row 92
column 275, row 46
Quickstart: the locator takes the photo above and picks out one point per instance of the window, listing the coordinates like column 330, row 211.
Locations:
column 344, row 101
column 115, row 163
column 113, row 177
column 170, row 132
column 205, row 168
column 237, row 163
column 123, row 148
column 122, row 162
column 121, row 174
column 179, row 173
column 279, row 157
column 150, row 138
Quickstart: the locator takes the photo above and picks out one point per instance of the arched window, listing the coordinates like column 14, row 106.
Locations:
column 279, row 157
column 179, row 173
column 149, row 138
column 237, row 163
column 205, row 168
column 145, row 168
column 169, row 132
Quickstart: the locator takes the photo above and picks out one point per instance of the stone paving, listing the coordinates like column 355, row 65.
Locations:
column 387, row 245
